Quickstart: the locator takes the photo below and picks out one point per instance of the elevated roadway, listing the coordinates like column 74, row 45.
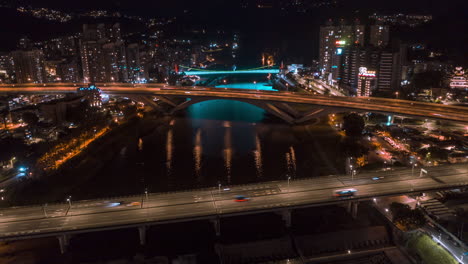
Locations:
column 259, row 98
column 211, row 204
column 253, row 71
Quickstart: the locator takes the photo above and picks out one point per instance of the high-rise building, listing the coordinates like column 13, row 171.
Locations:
column 334, row 40
column 356, row 57
column 59, row 48
column 136, row 70
column 103, row 54
column 25, row 43
column 366, row 82
column 115, row 62
column 29, row 66
column 389, row 71
column 379, row 35
column 6, row 68
column 459, row 80
column 68, row 71
column 92, row 61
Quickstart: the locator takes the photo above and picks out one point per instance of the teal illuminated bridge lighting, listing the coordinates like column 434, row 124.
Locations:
column 260, row 71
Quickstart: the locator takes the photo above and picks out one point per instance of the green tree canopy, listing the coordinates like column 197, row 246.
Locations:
column 30, row 118
column 352, row 148
column 353, row 124
column 407, row 218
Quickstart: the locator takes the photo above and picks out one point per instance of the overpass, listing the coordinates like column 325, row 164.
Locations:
column 280, row 104
column 280, row 197
column 208, row 72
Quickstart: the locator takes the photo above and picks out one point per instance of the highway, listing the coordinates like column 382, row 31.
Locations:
column 84, row 216
column 372, row 104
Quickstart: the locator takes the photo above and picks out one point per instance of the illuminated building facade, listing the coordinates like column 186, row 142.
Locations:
column 92, row 94
column 366, row 82
column 379, row 35
column 334, row 40
column 103, row 54
column 29, row 66
column 458, row 80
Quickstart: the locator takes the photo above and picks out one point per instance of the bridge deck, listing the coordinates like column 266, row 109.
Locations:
column 259, row 71
column 382, row 105
column 92, row 215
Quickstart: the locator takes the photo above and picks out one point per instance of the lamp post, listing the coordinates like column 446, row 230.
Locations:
column 146, row 194
column 412, row 168
column 69, row 205
column 69, row 201
column 44, row 210
column 289, row 178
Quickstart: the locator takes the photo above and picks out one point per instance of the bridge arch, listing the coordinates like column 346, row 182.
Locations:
column 281, row 110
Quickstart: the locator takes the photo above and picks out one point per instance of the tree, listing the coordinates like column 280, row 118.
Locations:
column 352, row 148
column 427, row 80
column 353, row 124
column 4, row 117
column 78, row 113
column 436, row 153
column 407, row 218
column 30, row 118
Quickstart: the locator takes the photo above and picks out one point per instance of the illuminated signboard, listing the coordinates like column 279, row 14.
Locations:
column 340, row 42
column 339, row 51
column 363, row 72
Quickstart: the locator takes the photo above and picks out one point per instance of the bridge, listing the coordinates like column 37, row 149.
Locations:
column 280, row 104
column 208, row 72
column 279, row 197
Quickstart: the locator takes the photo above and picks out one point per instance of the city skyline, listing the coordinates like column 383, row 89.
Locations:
column 246, row 131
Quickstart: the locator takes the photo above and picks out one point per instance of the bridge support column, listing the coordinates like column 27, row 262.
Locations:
column 286, row 216
column 354, row 211
column 349, row 207
column 142, row 232
column 217, row 226
column 64, row 242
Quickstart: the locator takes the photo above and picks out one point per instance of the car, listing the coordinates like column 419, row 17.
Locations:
column 377, row 178
column 241, row 198
column 345, row 192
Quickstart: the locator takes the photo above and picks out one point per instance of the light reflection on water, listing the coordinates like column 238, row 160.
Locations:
column 290, row 157
column 227, row 152
column 257, row 153
column 225, row 143
column 169, row 150
column 197, row 153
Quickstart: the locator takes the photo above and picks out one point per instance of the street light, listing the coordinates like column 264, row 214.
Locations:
column 289, row 178
column 69, row 201
column 44, row 210
column 146, row 194
column 412, row 168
